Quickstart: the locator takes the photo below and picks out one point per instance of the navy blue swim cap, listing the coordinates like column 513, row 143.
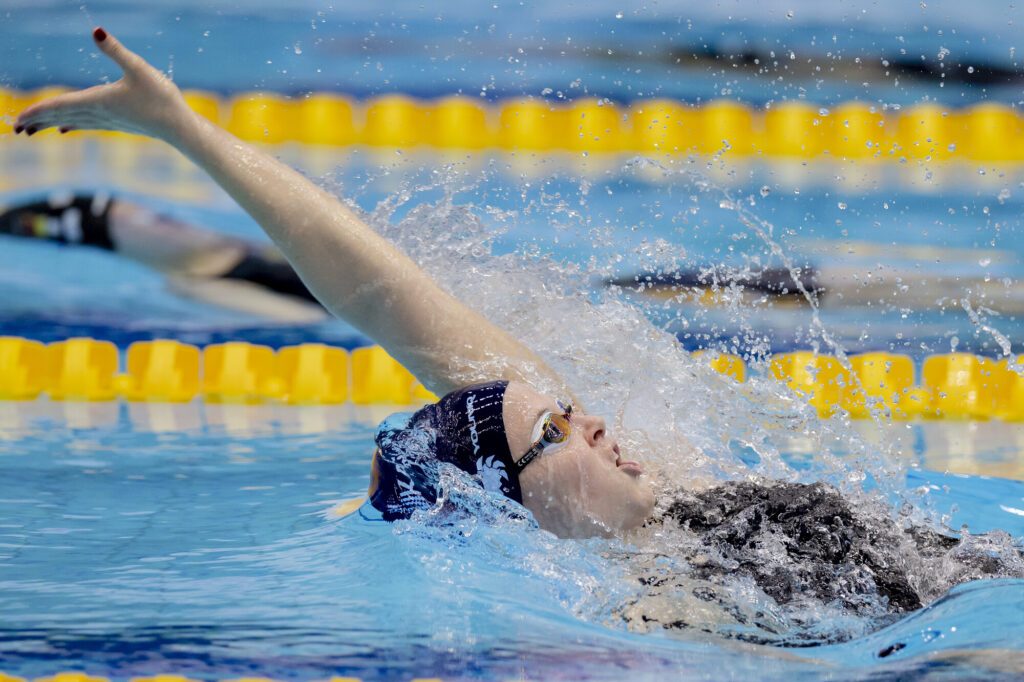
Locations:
column 465, row 428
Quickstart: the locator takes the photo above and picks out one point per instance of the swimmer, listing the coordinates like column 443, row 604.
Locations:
column 506, row 417
column 202, row 264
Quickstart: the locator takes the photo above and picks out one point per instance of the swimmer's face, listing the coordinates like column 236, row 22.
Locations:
column 583, row 488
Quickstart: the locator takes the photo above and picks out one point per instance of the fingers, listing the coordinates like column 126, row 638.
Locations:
column 130, row 62
column 78, row 121
column 64, row 109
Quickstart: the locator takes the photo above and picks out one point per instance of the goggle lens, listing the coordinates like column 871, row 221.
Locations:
column 556, row 429
column 549, row 434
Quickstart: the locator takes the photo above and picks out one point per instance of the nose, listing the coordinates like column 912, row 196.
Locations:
column 593, row 428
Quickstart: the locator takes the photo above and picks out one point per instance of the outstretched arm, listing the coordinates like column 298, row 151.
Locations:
column 353, row 271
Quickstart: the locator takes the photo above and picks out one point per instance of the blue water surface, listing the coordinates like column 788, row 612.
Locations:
column 213, row 550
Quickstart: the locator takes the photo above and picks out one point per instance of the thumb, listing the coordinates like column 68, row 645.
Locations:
column 112, row 47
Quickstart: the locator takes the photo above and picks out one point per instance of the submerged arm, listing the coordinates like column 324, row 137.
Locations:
column 357, row 274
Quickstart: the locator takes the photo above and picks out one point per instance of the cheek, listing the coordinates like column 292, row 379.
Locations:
column 562, row 480
column 568, row 473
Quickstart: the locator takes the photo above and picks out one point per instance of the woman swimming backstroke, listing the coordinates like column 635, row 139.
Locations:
column 588, row 488
column 506, row 417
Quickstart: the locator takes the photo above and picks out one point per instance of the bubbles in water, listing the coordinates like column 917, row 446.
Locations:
column 765, row 190
column 841, row 205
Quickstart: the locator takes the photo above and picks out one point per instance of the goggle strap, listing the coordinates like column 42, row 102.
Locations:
column 530, row 455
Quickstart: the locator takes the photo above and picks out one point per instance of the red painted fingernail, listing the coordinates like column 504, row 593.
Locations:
column 18, row 129
column 99, row 34
column 31, row 131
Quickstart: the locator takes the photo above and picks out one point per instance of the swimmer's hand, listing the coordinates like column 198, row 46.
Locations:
column 143, row 101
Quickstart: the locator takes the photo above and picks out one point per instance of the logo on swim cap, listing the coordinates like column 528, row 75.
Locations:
column 474, row 437
column 492, row 471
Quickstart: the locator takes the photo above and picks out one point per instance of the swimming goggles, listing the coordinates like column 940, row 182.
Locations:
column 552, row 432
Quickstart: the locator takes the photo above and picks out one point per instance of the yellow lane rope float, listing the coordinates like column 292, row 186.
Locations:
column 952, row 386
column 75, row 676
column 856, row 131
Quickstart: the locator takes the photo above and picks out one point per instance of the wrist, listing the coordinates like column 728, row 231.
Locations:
column 180, row 128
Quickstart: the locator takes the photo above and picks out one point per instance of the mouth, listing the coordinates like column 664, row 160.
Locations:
column 630, row 467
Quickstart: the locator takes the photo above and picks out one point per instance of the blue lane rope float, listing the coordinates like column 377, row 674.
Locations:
column 959, row 386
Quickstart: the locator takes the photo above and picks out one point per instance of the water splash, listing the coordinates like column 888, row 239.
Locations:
column 621, row 354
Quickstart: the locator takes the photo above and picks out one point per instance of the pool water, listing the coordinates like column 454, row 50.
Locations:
column 217, row 550
column 205, row 540
column 916, row 267
column 222, row 541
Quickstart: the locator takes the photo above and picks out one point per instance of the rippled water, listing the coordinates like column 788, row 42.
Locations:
column 213, row 551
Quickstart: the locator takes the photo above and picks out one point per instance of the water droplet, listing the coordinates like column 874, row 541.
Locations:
column 952, row 147
column 970, row 69
column 618, row 15
column 985, row 262
column 298, row 48
column 726, row 204
column 1003, row 195
column 789, row 14
column 841, row 205
column 765, row 190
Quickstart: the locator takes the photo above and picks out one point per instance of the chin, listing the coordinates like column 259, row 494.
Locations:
column 645, row 507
